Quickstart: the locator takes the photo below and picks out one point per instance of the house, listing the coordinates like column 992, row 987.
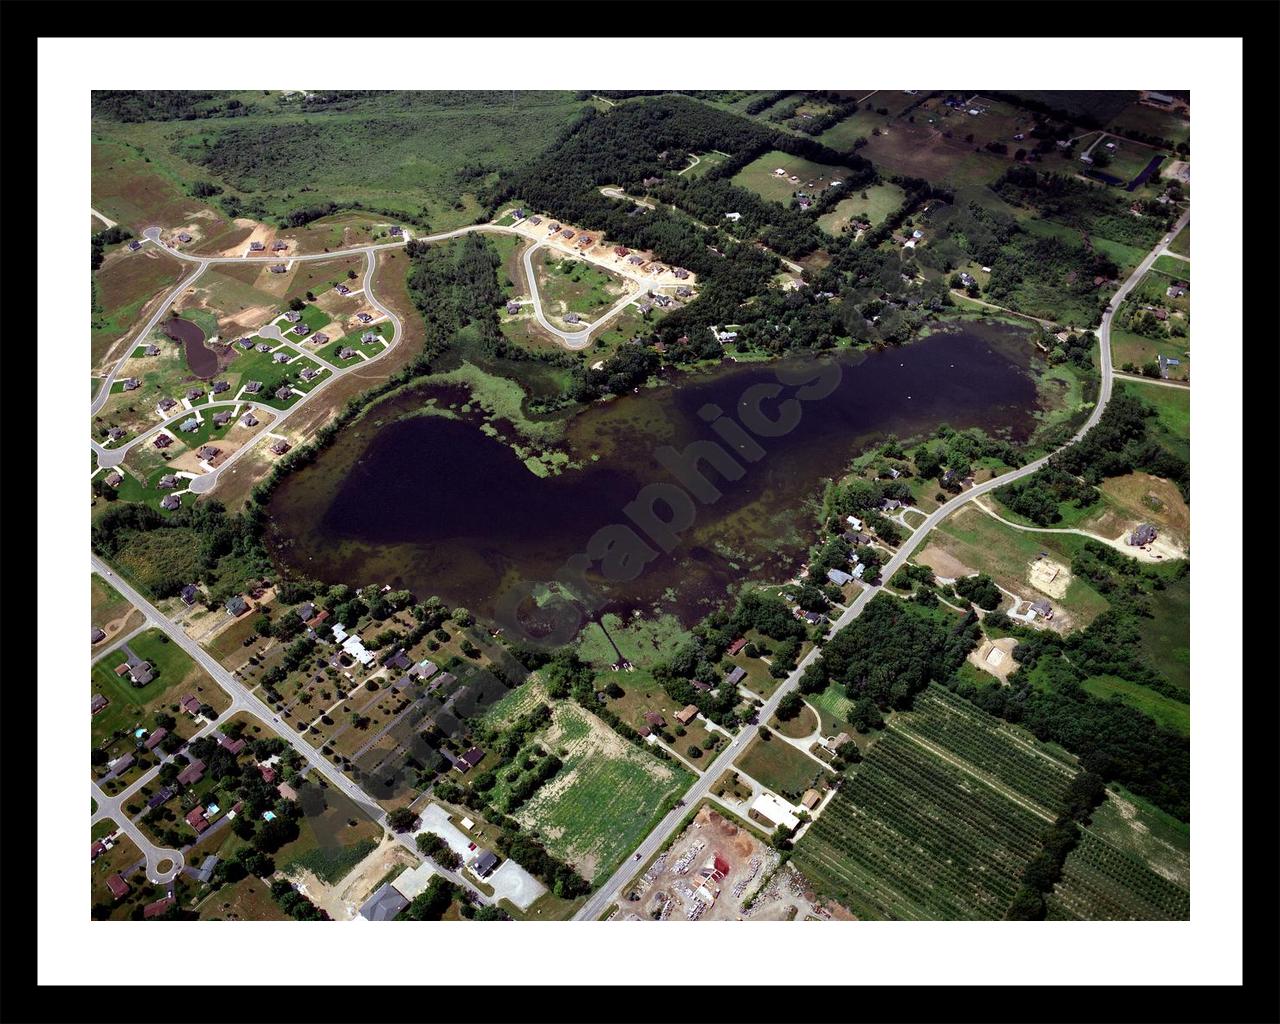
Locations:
column 655, row 719
column 890, row 504
column 1174, row 292
column 189, row 424
column 278, row 268
column 839, row 577
column 775, row 810
column 140, row 672
column 161, row 798
column 469, row 760
column 737, row 645
column 171, row 502
column 535, row 220
column 347, row 353
column 680, row 273
column 635, row 261
column 281, row 446
column 135, row 245
column 219, row 386
column 645, row 308
column 370, row 338
column 268, row 773
column 1143, row 535
column 399, row 660
column 571, row 318
column 245, row 343
column 1042, row 608
column 158, row 908
column 208, row 452
column 384, row 904
column 966, row 280
column 237, row 606
column 165, row 404
column 154, row 739
column 364, row 318
column 190, row 704
column 279, row 245
column 286, row 791
column 424, row 669
column 249, row 420
column 1160, row 98
column 513, row 307
column 308, row 374
column 280, row 357
column 778, row 172
column 151, row 350
column 620, row 250
column 115, row 433
column 257, row 246
column 342, row 289
column 568, row 232
column 131, row 384
column 736, row 676
column 699, row 685
column 98, row 703
column 221, row 419
column 735, row 216
column 183, row 236
column 650, row 182
column 97, row 849
column 553, row 227
column 484, row 863
column 854, row 521
column 195, row 394
column 813, row 618
column 206, row 869
column 518, row 213
column 192, row 773
column 197, row 820
column 663, row 300
column 283, row 394
column 253, row 387
column 811, row 799
column 301, row 330
column 114, row 479
column 396, row 231
column 264, row 347
column 687, row 714
column 233, row 747
column 118, row 886
column 684, row 291
column 121, row 765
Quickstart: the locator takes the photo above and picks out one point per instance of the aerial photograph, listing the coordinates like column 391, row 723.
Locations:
column 623, row 505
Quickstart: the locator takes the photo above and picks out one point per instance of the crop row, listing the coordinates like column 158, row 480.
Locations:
column 1102, row 883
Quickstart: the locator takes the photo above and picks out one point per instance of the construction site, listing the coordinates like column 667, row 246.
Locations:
column 718, row 871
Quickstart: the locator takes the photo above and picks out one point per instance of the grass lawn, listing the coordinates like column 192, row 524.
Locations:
column 833, row 707
column 782, row 768
column 108, row 604
column 758, row 176
column 1166, row 638
column 799, row 727
column 986, row 545
column 1182, row 244
column 175, row 675
column 313, row 316
column 643, row 641
column 1173, row 414
column 246, row 900
column 1173, row 266
column 1128, row 348
column 1164, row 124
column 881, row 201
column 606, row 797
column 570, row 285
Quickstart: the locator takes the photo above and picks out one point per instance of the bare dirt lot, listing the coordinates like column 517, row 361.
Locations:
column 996, row 657
column 711, row 872
column 343, row 899
column 1048, row 576
column 943, row 563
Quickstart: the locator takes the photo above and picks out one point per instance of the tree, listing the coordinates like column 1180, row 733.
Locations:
column 402, row 819
column 790, row 706
column 297, row 305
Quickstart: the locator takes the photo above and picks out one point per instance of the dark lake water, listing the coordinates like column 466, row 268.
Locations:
column 437, row 506
column 203, row 361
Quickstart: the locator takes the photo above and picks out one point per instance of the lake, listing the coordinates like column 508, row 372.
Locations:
column 437, row 506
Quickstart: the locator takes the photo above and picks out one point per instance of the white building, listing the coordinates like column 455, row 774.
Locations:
column 776, row 810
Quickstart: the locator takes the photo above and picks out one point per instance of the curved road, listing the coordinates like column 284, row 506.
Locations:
column 606, row 894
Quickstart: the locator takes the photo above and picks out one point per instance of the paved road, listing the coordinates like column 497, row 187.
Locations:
column 245, row 700
column 607, row 893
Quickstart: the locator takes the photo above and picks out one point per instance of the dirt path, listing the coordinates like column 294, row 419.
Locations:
column 1159, row 550
column 105, row 220
column 131, row 619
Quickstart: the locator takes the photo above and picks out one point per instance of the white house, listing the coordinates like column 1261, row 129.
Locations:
column 854, row 521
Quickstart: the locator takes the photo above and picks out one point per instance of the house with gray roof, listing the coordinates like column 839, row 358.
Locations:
column 384, row 904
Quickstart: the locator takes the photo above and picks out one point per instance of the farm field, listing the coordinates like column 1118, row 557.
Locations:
column 1101, row 882
column 1003, row 756
column 1132, row 824
column 779, row 766
column 920, row 150
column 1182, row 243
column 910, row 836
column 758, row 176
column 1164, row 124
column 606, row 797
column 1173, row 413
column 833, row 707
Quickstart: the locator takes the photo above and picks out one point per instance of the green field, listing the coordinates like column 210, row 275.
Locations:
column 569, row 285
column 881, row 201
column 606, row 798
column 833, row 706
column 1165, row 124
column 1164, row 710
column 758, row 176
column 779, row 766
column 1173, row 414
column 327, row 844
column 107, row 603
column 380, row 149
column 1166, row 638
column 1127, row 347
column 1132, row 824
column 1182, row 244
column 1101, row 882
column 643, row 641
